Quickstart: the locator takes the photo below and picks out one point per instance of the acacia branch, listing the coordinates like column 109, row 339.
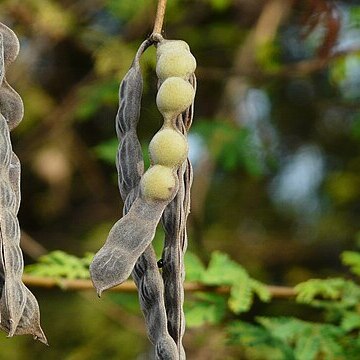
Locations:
column 159, row 19
column 129, row 286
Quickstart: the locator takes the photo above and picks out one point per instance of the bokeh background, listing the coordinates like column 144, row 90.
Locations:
column 275, row 147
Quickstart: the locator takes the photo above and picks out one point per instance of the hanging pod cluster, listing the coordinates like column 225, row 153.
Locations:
column 162, row 193
column 19, row 310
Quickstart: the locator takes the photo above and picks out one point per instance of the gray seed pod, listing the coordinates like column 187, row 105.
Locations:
column 18, row 307
column 130, row 168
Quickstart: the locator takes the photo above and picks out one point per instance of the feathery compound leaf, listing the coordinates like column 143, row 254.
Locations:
column 206, row 309
column 223, row 271
column 59, row 264
column 260, row 341
column 346, row 292
column 351, row 259
column 195, row 269
column 350, row 320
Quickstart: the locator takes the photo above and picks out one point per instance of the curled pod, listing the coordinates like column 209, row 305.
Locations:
column 158, row 183
column 169, row 148
column 175, row 62
column 175, row 95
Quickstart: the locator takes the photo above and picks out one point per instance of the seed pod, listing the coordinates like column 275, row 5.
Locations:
column 158, row 183
column 169, row 148
column 11, row 44
column 130, row 168
column 175, row 95
column 18, row 307
column 177, row 63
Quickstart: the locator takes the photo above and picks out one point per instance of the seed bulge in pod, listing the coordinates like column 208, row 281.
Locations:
column 158, row 183
column 11, row 44
column 170, row 45
column 175, row 95
column 179, row 63
column 169, row 148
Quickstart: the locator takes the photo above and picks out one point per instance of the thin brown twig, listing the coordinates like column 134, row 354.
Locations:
column 159, row 19
column 129, row 286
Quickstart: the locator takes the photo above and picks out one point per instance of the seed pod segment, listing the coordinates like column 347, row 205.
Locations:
column 175, row 95
column 168, row 147
column 175, row 63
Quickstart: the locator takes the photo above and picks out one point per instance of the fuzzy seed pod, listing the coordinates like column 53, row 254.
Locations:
column 169, row 148
column 11, row 44
column 158, row 183
column 175, row 62
column 171, row 45
column 174, row 96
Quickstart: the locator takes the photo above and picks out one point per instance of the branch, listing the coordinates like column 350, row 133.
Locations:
column 129, row 286
column 159, row 19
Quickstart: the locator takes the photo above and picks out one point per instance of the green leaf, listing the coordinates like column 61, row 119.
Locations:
column 106, row 151
column 307, row 348
column 260, row 290
column 351, row 259
column 260, row 340
column 222, row 270
column 195, row 269
column 59, row 264
column 207, row 309
column 230, row 145
column 241, row 296
column 350, row 321
column 327, row 288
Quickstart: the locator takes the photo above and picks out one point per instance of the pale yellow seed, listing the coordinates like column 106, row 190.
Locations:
column 170, row 45
column 169, row 148
column 158, row 183
column 175, row 95
column 179, row 63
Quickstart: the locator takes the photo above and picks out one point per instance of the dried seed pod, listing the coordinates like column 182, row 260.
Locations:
column 175, row 63
column 11, row 105
column 174, row 222
column 127, row 240
column 18, row 307
column 130, row 168
column 168, row 147
column 11, row 44
column 147, row 197
column 175, row 95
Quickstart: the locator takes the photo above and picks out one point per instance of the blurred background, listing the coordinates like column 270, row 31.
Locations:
column 274, row 144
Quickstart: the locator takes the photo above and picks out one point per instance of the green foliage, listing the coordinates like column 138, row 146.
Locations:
column 58, row 264
column 95, row 96
column 352, row 259
column 221, row 271
column 269, row 338
column 205, row 308
column 106, row 151
column 231, row 146
column 291, row 338
column 220, row 5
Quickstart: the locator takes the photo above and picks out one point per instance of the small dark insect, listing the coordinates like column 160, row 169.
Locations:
column 160, row 263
